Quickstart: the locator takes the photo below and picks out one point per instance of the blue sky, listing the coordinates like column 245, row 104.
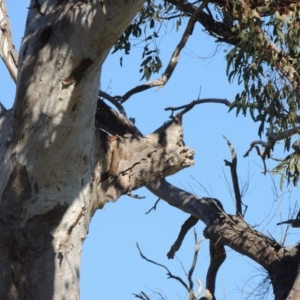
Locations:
column 111, row 265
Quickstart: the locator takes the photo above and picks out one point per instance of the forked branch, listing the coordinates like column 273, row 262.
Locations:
column 170, row 275
column 189, row 287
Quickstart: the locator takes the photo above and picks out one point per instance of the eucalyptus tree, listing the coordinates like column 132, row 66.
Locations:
column 66, row 153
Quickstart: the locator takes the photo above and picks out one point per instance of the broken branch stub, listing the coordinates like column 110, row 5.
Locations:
column 136, row 160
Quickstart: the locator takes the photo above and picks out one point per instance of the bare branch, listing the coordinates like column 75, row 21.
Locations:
column 160, row 265
column 254, row 145
column 142, row 296
column 191, row 271
column 189, row 106
column 153, row 207
column 234, row 177
column 294, row 222
column 8, row 52
column 114, row 101
column 187, row 225
column 174, row 58
column 229, row 230
column 217, row 257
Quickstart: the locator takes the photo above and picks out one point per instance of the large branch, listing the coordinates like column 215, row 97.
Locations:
column 134, row 159
column 234, row 232
column 7, row 50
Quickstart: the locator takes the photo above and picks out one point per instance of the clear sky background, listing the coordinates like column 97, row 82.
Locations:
column 111, row 265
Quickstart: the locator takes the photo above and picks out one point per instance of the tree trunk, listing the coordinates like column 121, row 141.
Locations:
column 51, row 154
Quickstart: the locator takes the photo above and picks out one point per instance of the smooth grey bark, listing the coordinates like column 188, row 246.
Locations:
column 57, row 168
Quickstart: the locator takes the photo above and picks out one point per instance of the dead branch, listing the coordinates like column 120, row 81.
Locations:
column 174, row 58
column 191, row 271
column 8, row 52
column 189, row 106
column 294, row 222
column 192, row 295
column 187, row 225
column 217, row 257
column 142, row 296
column 229, row 230
column 153, row 207
column 235, row 181
column 170, row 275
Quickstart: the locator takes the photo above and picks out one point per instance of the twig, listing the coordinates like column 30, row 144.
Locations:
column 160, row 265
column 153, row 207
column 142, row 296
column 234, row 177
column 191, row 271
column 174, row 58
column 189, row 106
column 294, row 222
column 187, row 225
column 270, row 143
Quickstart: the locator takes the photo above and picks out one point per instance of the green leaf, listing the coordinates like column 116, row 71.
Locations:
column 178, row 23
column 152, row 23
column 146, row 61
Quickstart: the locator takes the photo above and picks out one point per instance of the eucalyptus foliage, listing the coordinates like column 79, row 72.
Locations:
column 264, row 39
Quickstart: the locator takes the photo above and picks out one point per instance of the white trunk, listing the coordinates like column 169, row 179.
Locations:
column 47, row 195
column 57, row 168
